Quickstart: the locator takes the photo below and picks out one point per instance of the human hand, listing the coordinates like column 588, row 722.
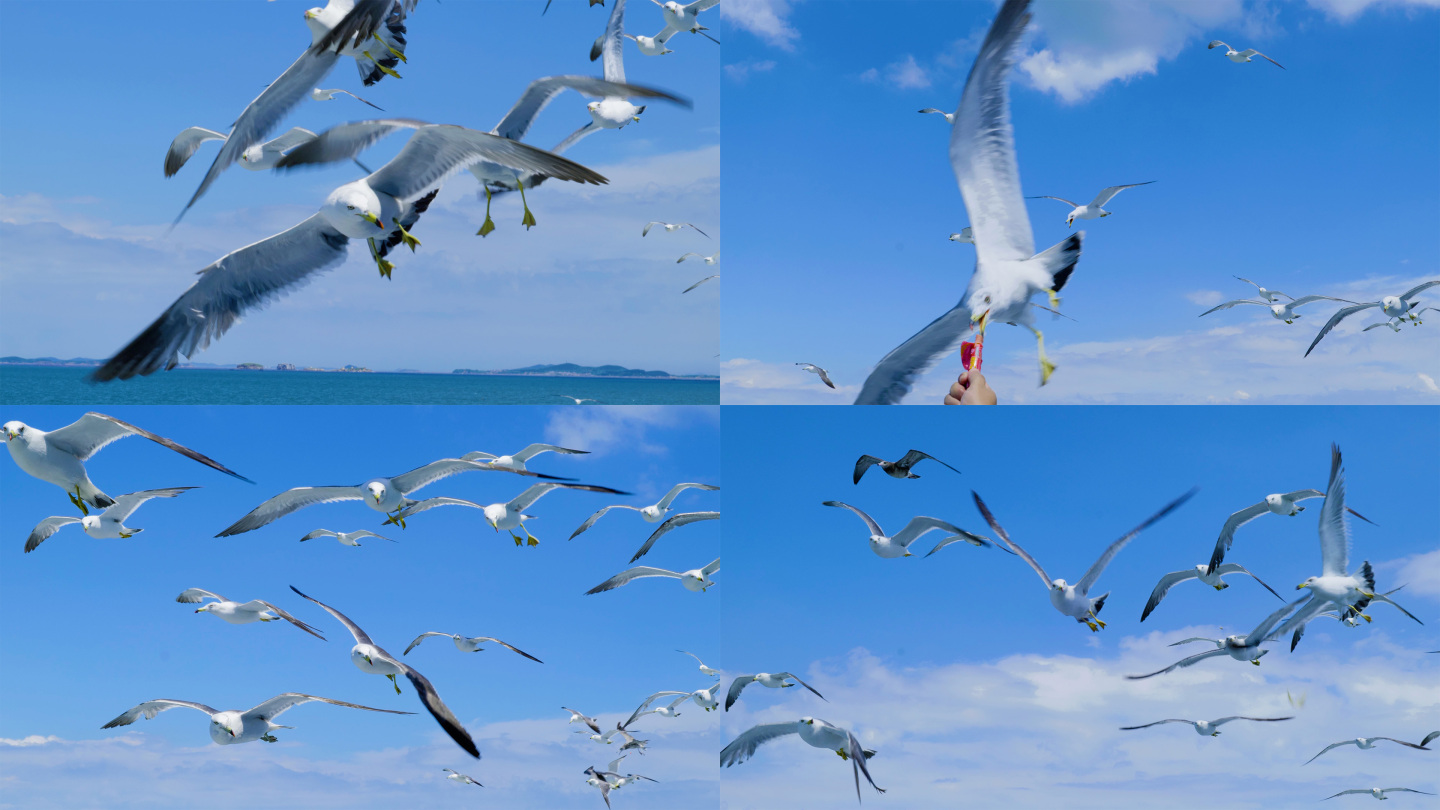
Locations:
column 970, row 389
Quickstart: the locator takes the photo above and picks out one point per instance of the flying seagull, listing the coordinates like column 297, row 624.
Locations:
column 1394, row 306
column 896, row 469
column 517, row 460
column 1207, row 728
column 1241, row 648
column 1379, row 793
column 1074, row 600
column 710, row 260
column 235, row 727
column 108, row 525
column 456, row 776
column 256, row 610
column 963, row 235
column 1241, row 56
column 711, row 671
column 1268, row 295
column 664, row 711
column 671, row 227
column 685, row 17
column 389, row 496
column 320, row 94
column 1279, row 310
column 58, row 456
column 1008, row 272
column 345, row 538
column 819, row 372
column 949, row 117
column 1278, row 503
column 698, row 283
column 653, row 46
column 1095, row 208
column 890, row 548
column 653, row 513
column 1202, row 573
column 683, row 519
column 258, row 158
column 775, row 680
column 577, row 717
column 508, row 515
column 696, row 579
column 369, row 657
column 1366, row 743
column 464, row 644
column 817, row 733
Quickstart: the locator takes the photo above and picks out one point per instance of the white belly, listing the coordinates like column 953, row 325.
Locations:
column 35, row 457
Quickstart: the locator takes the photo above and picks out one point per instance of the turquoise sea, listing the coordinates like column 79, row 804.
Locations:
column 42, row 385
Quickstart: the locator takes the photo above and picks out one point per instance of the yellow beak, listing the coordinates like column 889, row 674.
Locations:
column 373, row 220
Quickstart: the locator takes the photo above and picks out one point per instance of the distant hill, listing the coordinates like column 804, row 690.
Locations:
column 571, row 370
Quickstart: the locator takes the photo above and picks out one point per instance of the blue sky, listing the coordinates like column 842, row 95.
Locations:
column 84, row 205
column 907, row 650
column 104, row 633
column 1316, row 179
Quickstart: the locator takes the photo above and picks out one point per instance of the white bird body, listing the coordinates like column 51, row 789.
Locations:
column 707, row 699
column 1394, row 306
column 1241, row 57
column 964, row 235
column 1268, row 295
column 1095, row 208
column 344, row 538
column 235, row 727
column 456, row 776
column 681, row 17
column 652, row 46
column 517, row 461
column 711, row 671
column 107, row 525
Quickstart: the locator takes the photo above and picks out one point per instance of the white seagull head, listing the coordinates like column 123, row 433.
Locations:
column 376, row 490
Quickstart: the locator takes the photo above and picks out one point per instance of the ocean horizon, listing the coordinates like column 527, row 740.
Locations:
column 68, row 385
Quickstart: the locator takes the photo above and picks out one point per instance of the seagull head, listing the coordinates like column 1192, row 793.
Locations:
column 1070, row 220
column 13, row 430
column 1306, row 584
column 1058, row 584
column 353, row 201
column 312, row 13
column 205, row 608
column 809, row 721
column 376, row 490
column 90, row 523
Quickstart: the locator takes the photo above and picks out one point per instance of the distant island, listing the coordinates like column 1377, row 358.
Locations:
column 570, row 370
column 555, row 370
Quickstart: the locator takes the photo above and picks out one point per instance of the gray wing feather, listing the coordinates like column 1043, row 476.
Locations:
column 436, row 152
column 895, row 374
column 1334, row 534
column 278, row 705
column 796, row 678
column 516, row 123
column 287, row 617
column 1335, row 319
column 1227, row 532
column 125, row 505
column 361, row 23
column 291, row 500
column 1163, row 587
column 1419, row 288
column 153, row 707
column 1236, row 568
column 44, row 529
column 184, row 146
column 612, row 44
column 1107, row 194
column 743, row 747
column 1088, row 581
column 440, row 711
column 345, row 141
column 995, row 525
column 736, row 687
column 360, row 636
column 428, row 474
column 624, row 577
column 90, row 433
column 870, row 523
column 864, row 463
column 673, row 523
column 1183, row 662
column 590, row 521
column 679, row 488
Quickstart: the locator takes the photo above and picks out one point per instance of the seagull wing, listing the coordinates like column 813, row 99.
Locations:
column 185, row 145
column 1310, row 299
column 920, row 525
column 700, row 5
column 276, row 706
column 294, row 136
column 434, row 153
column 430, row 503
column 679, row 488
column 870, row 523
column 1183, row 662
column 1106, row 194
column 643, row 706
column 1088, row 581
column 1345, row 793
column 291, row 500
column 90, row 433
column 345, row 141
column 190, row 596
column 1163, row 587
column 576, row 136
column 624, row 577
column 982, row 145
column 516, row 123
column 523, row 501
column 1217, row 44
column 360, row 636
column 125, row 505
column 612, row 44
column 1417, row 289
column 979, row 541
column 362, row 22
column 440, row 711
column 1335, row 319
column 1253, row 52
column 1236, row 568
column 286, row 616
column 1402, row 790
column 319, row 533
column 1328, row 748
column 590, row 521
column 989, row 518
column 435, row 471
column 913, row 457
column 711, row 567
column 1156, row 723
column 534, row 450
column 743, row 747
column 422, row 637
column 1380, row 597
column 1227, row 532
column 736, row 687
column 1334, row 534
column 153, row 707
column 509, row 647
column 857, row 755
column 796, row 678
column 1262, row 630
column 702, row 281
column 44, row 529
column 673, row 523
column 1225, row 720
column 243, row 280
column 895, row 374
column 1229, row 304
column 864, row 463
column 1049, row 197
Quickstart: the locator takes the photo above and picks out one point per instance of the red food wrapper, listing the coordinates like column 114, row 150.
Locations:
column 970, row 355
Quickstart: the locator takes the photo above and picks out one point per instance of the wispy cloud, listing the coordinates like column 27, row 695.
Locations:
column 1347, row 10
column 600, row 429
column 905, row 74
column 740, row 71
column 1205, row 298
column 766, row 19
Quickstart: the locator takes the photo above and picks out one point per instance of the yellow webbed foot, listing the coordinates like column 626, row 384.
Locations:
column 126, row 535
column 1256, row 663
column 487, row 227
column 1046, row 369
column 1054, row 299
column 387, row 71
column 531, row 539
column 528, row 220
column 517, row 540
column 395, row 53
column 1365, row 617
column 843, row 755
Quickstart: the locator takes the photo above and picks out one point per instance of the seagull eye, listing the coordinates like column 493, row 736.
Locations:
column 350, row 207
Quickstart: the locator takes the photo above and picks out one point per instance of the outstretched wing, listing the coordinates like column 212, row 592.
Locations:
column 151, row 708
column 1334, row 534
column 360, row 636
column 796, row 678
column 673, row 523
column 1227, row 532
column 44, row 529
column 875, row 530
column 185, row 145
column 920, row 525
column 440, row 711
column 743, row 747
column 913, row 457
column 516, row 123
column 1236, row 568
column 434, row 153
column 125, row 505
column 534, row 450
column 90, row 433
column 1163, row 587
column 190, row 596
column 444, row 468
column 278, row 705
column 1229, row 304
column 1330, row 747
column 1344, row 313
column 508, row 647
column 857, row 755
column 531, row 495
column 864, row 463
column 1156, row 723
column 979, row 541
column 590, row 521
column 896, row 373
column 1410, row 293
column 291, row 500
column 1024, row 555
column 679, row 488
column 1106, row 194
column 624, row 577
column 287, row 617
column 345, row 141
column 422, row 637
column 736, row 687
column 1088, row 581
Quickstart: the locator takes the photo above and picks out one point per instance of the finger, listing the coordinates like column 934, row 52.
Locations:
column 951, row 400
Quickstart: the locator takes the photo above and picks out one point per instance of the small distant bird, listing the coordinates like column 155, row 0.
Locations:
column 577, row 400
column 664, row 711
column 456, row 776
column 108, row 525
column 701, row 281
column 896, row 469
column 965, row 235
column 710, row 260
column 256, row 610
column 464, row 644
column 1379, row 793
column 1279, row 503
column 1394, row 324
column 949, row 117
column 774, row 680
column 1094, row 209
column 1240, row 57
column 653, row 46
column 1366, row 743
column 510, row 514
column 1207, row 728
column 345, row 538
column 696, row 579
column 891, row 548
column 327, row 95
column 711, row 671
column 517, row 460
column 1268, row 295
column 1202, row 573
column 814, row 369
column 1281, row 311
column 671, row 227
column 1394, row 306
column 590, row 722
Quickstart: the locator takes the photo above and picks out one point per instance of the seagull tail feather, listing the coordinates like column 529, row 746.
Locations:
column 1060, row 260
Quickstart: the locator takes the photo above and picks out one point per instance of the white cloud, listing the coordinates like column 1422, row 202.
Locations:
column 1204, row 298
column 904, row 74
column 600, row 429
column 1347, row 10
column 740, row 71
column 24, row 742
column 765, row 19
column 1429, row 382
column 1419, row 573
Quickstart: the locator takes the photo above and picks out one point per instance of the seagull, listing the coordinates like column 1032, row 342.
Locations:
column 711, row 671
column 897, row 469
column 1366, row 743
column 1241, row 648
column 593, row 3
column 1281, row 311
column 517, row 461
column 630, row 744
column 330, row 28
column 507, row 515
column 628, row 778
column 899, row 545
column 345, row 538
column 770, row 680
column 1094, row 209
column 1007, row 270
column 456, row 776
column 1202, row 573
column 258, row 158
column 1207, row 728
column 470, row 645
column 1394, row 324
column 685, row 17
column 1379, row 793
column 671, row 227
column 1242, row 56
column 683, row 519
column 818, row 371
column 376, row 207
column 698, row 283
column 949, row 117
column 817, row 733
column 710, row 260
column 369, row 657
column 696, row 579
column 1334, row 588
column 386, row 495
column 108, row 525
column 577, row 717
column 707, row 699
column 1279, row 503
column 327, row 95
column 1074, row 600
column 653, row 46
column 664, row 711
column 577, row 400
column 256, row 610
column 1268, row 295
column 1394, row 306
column 235, row 727
column 653, row 513
column 965, row 235
column 58, row 456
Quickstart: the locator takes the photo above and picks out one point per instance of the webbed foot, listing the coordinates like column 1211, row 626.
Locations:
column 487, row 227
column 405, row 238
column 394, row 683
column 395, row 53
column 78, row 501
column 387, row 71
column 269, row 738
